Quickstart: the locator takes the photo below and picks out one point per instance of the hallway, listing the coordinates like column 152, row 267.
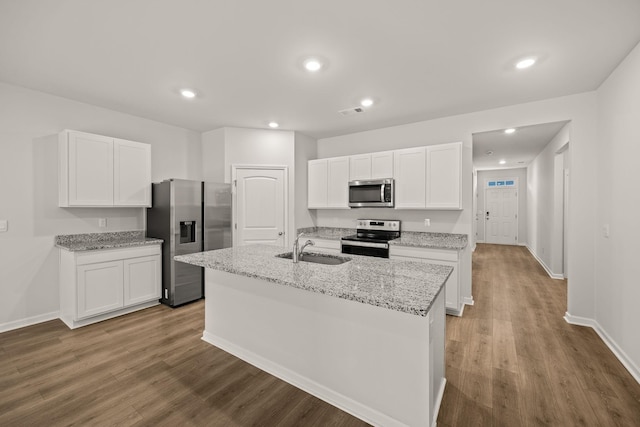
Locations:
column 512, row 360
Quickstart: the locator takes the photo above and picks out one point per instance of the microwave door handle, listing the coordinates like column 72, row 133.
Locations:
column 382, row 193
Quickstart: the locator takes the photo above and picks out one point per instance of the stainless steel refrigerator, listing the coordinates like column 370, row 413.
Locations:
column 190, row 216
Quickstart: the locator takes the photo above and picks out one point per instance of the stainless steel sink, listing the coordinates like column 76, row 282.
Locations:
column 325, row 259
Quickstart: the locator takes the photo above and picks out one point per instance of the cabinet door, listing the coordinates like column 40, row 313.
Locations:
column 142, row 280
column 131, row 173
column 360, row 167
column 382, row 165
column 90, row 169
column 338, row 182
column 317, row 181
column 410, row 190
column 99, row 288
column 444, row 176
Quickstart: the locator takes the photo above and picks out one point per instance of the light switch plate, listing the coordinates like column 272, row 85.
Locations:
column 102, row 222
column 4, row 225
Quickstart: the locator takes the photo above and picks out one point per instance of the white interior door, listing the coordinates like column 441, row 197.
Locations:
column 501, row 216
column 260, row 207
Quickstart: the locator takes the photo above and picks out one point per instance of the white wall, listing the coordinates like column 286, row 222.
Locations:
column 617, row 257
column 580, row 109
column 213, row 167
column 306, row 148
column 544, row 193
column 521, row 175
column 29, row 124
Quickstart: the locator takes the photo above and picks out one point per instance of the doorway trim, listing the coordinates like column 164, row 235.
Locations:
column 234, row 193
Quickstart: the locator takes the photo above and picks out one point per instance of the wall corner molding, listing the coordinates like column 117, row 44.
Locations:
column 546, row 268
column 629, row 365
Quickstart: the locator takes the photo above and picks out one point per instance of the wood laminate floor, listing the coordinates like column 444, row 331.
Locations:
column 511, row 361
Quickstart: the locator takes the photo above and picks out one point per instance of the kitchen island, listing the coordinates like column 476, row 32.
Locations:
column 366, row 336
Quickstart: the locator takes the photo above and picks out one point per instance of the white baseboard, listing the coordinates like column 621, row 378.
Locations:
column 16, row 324
column 357, row 409
column 613, row 346
column 436, row 409
column 468, row 301
column 546, row 268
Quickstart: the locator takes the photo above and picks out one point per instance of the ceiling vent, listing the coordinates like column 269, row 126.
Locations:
column 350, row 111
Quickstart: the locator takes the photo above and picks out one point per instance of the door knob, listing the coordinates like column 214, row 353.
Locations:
column 280, row 233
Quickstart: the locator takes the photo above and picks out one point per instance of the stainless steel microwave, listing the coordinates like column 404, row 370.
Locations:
column 376, row 193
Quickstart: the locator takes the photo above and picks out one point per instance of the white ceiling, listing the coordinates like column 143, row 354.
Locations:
column 418, row 59
column 517, row 149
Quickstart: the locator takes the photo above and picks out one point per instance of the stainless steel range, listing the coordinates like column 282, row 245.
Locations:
column 371, row 238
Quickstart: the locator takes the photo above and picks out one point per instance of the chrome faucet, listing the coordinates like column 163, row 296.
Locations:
column 296, row 252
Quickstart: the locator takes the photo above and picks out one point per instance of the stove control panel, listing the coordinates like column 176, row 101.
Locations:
column 377, row 224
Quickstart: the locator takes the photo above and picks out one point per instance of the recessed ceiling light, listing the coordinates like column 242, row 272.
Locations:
column 367, row 102
column 525, row 63
column 502, row 162
column 509, row 131
column 273, row 125
column 188, row 93
column 312, row 64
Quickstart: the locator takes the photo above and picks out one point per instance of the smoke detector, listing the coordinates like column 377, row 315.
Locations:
column 351, row 111
column 489, row 153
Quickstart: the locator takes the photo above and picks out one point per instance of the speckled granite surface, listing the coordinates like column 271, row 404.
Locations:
column 327, row 233
column 404, row 286
column 93, row 241
column 407, row 238
column 431, row 240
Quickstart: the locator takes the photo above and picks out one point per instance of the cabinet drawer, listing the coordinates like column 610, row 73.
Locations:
column 104, row 255
column 424, row 253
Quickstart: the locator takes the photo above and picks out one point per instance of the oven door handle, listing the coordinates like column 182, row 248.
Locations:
column 365, row 244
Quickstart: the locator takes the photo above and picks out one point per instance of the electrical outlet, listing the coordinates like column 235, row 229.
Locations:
column 102, row 222
column 427, row 222
column 606, row 231
column 4, row 225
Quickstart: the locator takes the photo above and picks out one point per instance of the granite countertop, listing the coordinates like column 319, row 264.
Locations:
column 431, row 240
column 94, row 241
column 327, row 233
column 404, row 286
column 407, row 238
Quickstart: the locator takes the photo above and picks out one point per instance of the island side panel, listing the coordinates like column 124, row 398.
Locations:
column 369, row 361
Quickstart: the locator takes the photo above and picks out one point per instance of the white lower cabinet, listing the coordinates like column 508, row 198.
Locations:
column 446, row 257
column 100, row 284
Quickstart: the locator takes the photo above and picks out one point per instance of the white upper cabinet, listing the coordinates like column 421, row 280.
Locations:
column 317, row 184
column 328, row 183
column 95, row 170
column 410, row 178
column 382, row 165
column 338, row 183
column 425, row 177
column 132, row 173
column 89, row 172
column 360, row 167
column 371, row 166
column 444, row 176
